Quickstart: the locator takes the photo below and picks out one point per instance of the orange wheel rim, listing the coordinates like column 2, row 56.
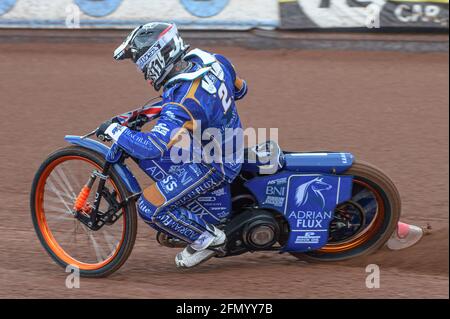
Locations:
column 373, row 227
column 44, row 227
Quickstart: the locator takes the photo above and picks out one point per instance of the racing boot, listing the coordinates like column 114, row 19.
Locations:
column 208, row 245
column 405, row 236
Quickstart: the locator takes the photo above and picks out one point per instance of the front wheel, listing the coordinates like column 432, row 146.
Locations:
column 365, row 222
column 96, row 253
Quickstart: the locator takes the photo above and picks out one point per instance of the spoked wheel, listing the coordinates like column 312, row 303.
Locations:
column 365, row 222
column 65, row 237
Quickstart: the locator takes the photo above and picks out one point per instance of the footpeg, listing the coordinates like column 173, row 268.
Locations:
column 168, row 241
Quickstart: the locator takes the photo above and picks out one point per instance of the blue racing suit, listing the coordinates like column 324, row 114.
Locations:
column 200, row 100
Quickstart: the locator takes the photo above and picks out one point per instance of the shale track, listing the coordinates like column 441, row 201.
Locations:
column 388, row 108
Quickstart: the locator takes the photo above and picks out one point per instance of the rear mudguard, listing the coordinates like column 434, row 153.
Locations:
column 122, row 170
column 306, row 200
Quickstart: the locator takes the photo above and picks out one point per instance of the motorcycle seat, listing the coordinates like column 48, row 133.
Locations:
column 318, row 162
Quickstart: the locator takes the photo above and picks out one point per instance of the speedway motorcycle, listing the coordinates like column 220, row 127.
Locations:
column 317, row 206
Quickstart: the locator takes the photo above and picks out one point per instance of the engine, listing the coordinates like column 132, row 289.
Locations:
column 252, row 230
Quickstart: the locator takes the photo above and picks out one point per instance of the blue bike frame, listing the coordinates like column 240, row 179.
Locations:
column 305, row 191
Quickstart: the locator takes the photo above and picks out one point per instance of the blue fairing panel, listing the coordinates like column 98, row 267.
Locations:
column 318, row 162
column 307, row 202
column 127, row 177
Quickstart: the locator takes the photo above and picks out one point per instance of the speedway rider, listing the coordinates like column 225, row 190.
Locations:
column 198, row 88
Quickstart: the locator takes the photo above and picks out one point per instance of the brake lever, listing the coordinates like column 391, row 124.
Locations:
column 140, row 123
column 89, row 134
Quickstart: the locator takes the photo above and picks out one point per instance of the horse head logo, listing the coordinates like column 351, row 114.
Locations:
column 311, row 190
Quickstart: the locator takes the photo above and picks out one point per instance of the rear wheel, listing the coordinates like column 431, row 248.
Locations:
column 365, row 222
column 54, row 191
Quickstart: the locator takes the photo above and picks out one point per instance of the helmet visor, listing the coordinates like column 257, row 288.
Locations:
column 123, row 51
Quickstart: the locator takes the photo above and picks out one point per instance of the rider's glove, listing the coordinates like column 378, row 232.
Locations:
column 108, row 130
column 101, row 131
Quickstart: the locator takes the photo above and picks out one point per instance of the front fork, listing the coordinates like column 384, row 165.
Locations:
column 88, row 215
column 98, row 196
column 91, row 218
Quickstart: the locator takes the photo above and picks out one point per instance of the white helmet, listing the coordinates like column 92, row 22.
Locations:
column 155, row 48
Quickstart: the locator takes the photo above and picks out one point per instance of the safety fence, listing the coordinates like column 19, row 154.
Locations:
column 370, row 14
column 226, row 14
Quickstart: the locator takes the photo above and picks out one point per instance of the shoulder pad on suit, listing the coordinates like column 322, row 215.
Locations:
column 190, row 76
column 207, row 58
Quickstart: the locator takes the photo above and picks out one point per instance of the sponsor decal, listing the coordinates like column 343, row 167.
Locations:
column 170, row 115
column 311, row 191
column 224, row 213
column 144, row 210
column 143, row 60
column 168, row 222
column 184, row 176
column 200, row 189
column 343, row 158
column 208, row 83
column 202, row 212
column 206, row 199
column 421, row 12
column 276, row 190
column 308, row 204
column 156, row 66
column 219, row 208
column 219, row 192
column 311, row 219
column 155, row 172
column 168, row 184
column 196, row 209
column 343, row 13
column 279, row 181
column 275, row 201
column 308, row 238
column 173, row 168
column 217, row 70
column 114, row 153
column 161, row 128
column 363, row 13
column 118, row 129
column 179, row 45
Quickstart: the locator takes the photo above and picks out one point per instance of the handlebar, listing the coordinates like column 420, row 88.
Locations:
column 135, row 124
column 136, row 119
column 89, row 134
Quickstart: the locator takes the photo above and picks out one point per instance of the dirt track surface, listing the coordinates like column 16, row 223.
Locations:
column 390, row 109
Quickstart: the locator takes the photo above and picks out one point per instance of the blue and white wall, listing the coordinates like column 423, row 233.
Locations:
column 191, row 14
column 226, row 14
